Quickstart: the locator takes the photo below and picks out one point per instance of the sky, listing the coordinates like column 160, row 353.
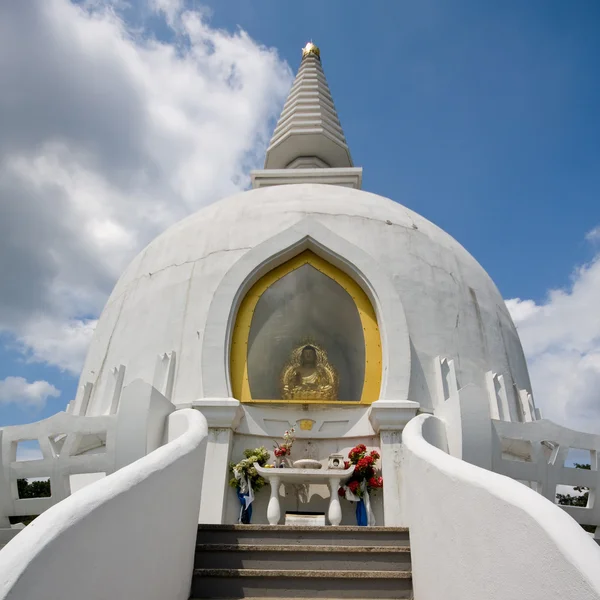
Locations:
column 120, row 118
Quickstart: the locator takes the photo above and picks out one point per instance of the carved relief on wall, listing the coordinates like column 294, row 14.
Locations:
column 308, row 375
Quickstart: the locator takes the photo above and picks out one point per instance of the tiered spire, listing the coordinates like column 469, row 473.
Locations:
column 308, row 144
column 308, row 133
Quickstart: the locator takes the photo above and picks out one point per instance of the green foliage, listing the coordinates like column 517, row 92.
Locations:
column 246, row 467
column 577, row 500
column 33, row 489
column 572, row 499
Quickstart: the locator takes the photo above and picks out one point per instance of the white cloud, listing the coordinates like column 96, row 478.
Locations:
column 59, row 342
column 593, row 235
column 17, row 390
column 521, row 310
column 108, row 137
column 561, row 339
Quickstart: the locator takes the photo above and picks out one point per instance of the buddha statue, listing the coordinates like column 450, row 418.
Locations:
column 309, row 375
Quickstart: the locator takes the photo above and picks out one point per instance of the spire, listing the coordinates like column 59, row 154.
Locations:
column 308, row 144
column 308, row 133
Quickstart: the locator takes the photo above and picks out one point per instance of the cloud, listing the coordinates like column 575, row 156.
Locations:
column 593, row 235
column 17, row 390
column 108, row 137
column 561, row 339
column 59, row 342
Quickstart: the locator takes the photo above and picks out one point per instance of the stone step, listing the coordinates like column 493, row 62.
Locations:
column 250, row 556
column 313, row 536
column 277, row 583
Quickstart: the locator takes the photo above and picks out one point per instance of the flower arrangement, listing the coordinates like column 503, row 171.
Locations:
column 285, row 448
column 246, row 469
column 366, row 475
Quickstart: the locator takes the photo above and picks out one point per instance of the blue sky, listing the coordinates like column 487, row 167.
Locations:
column 481, row 116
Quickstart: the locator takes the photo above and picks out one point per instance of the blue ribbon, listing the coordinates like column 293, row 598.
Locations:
column 246, row 512
column 362, row 518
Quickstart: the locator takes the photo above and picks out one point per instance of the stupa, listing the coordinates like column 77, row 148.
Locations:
column 311, row 304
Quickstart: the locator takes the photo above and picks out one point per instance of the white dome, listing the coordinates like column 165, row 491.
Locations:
column 161, row 302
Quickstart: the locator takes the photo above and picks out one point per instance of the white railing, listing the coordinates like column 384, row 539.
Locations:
column 130, row 535
column 79, row 446
column 63, row 440
column 477, row 534
column 535, row 454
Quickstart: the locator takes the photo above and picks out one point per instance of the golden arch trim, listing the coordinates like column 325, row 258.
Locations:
column 239, row 343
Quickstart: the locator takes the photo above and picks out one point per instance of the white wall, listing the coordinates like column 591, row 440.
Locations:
column 466, row 416
column 475, row 534
column 447, row 302
column 128, row 536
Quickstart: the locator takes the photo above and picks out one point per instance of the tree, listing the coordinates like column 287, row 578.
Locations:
column 580, row 499
column 33, row 489
column 576, row 500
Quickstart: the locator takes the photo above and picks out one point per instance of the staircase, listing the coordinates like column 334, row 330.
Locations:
column 258, row 561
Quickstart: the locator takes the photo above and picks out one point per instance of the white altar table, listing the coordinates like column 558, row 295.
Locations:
column 333, row 477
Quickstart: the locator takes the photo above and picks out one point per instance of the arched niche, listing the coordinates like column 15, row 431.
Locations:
column 301, row 306
column 306, row 234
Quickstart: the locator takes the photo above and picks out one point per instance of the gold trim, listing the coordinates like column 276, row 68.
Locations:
column 239, row 342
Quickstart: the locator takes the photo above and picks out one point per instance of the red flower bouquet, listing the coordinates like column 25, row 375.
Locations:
column 365, row 470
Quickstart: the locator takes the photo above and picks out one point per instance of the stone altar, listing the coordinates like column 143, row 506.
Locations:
column 334, row 477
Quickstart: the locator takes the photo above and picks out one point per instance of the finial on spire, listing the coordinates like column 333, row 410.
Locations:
column 309, row 49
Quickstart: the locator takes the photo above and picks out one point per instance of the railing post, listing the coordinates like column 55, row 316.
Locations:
column 223, row 415
column 5, row 495
column 141, row 422
column 388, row 418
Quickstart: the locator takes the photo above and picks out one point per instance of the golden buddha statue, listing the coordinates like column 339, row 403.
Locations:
column 309, row 375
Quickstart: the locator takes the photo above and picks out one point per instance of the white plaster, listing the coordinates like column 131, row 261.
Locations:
column 78, row 481
column 490, row 535
column 394, row 511
column 469, row 431
column 141, row 422
column 527, row 406
column 78, row 450
column 329, row 421
column 308, row 125
column 187, row 282
column 216, row 475
column 88, row 445
column 308, row 234
column 100, row 543
column 445, row 376
column 164, row 373
column 223, row 416
column 220, row 412
column 305, row 520
column 6, row 503
column 119, row 375
column 348, row 177
column 86, row 393
column 392, row 415
column 520, row 451
column 498, row 397
column 389, row 418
